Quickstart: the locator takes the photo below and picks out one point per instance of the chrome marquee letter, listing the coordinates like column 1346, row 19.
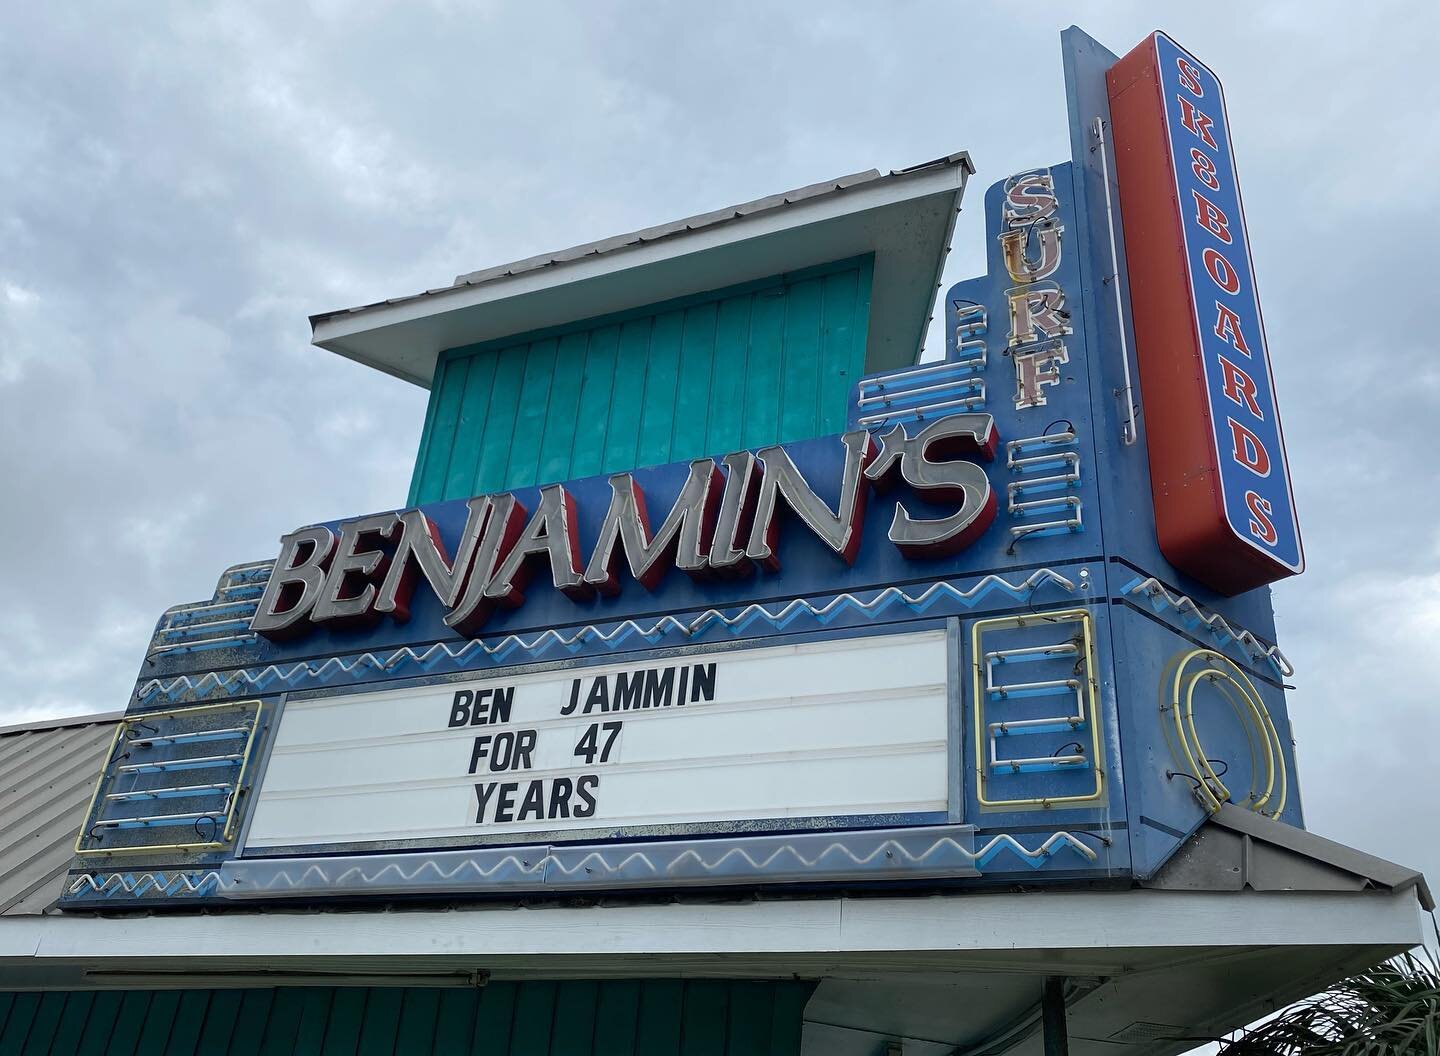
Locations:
column 294, row 584
column 503, row 519
column 420, row 547
column 343, row 599
column 737, row 511
column 551, row 534
column 839, row 530
column 687, row 530
column 945, row 479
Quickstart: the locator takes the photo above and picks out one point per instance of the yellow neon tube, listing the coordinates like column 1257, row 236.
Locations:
column 231, row 812
column 1080, row 616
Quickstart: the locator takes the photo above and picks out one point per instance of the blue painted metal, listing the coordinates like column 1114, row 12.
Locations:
column 933, row 852
column 1150, row 626
column 172, row 781
column 847, row 610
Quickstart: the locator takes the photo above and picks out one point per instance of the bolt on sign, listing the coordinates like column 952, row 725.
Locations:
column 1224, row 509
column 967, row 619
column 1033, row 250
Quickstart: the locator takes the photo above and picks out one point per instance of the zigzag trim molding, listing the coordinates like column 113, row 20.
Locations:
column 918, row 853
column 1193, row 615
column 932, row 852
column 944, row 851
column 518, row 648
column 142, row 885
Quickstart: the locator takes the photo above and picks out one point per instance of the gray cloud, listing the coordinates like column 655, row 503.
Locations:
column 179, row 188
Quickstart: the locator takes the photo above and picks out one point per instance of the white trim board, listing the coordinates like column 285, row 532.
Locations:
column 770, row 937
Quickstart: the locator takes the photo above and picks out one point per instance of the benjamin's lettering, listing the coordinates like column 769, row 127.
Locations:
column 656, row 687
column 722, row 522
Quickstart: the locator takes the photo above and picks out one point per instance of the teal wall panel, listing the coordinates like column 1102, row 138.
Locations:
column 419, row 1018
column 617, row 1017
column 46, row 1023
column 800, row 369
column 99, row 1035
column 625, row 1017
column 660, row 1028
column 249, row 1036
column 154, row 1028
column 727, row 386
column 597, row 394
column 749, row 1018
column 130, row 1015
column 767, row 362
column 17, row 1024
column 622, row 436
column 760, row 413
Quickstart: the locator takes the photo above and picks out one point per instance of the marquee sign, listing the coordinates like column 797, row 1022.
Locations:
column 942, row 646
column 1224, row 510
column 785, row 736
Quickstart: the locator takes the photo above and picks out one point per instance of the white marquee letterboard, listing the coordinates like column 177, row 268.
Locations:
column 844, row 728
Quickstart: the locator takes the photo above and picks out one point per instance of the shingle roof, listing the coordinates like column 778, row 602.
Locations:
column 47, row 776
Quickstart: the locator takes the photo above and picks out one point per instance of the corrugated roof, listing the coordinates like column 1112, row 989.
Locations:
column 672, row 229
column 47, row 775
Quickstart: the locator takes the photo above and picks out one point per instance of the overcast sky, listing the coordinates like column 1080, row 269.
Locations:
column 180, row 189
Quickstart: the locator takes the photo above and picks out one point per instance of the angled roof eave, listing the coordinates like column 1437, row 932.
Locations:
column 1378, row 871
column 905, row 218
column 1238, row 848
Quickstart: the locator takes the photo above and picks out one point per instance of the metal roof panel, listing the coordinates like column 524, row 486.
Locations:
column 903, row 218
column 47, row 775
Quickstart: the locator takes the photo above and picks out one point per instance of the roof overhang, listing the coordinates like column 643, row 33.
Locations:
column 1155, row 970
column 905, row 219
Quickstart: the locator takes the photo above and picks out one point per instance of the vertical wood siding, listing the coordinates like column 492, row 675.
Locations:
column 655, row 1017
column 765, row 363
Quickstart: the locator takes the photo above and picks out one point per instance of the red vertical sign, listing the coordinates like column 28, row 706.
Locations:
column 1224, row 509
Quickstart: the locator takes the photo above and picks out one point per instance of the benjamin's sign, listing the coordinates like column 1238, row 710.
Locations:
column 721, row 524
column 1021, row 676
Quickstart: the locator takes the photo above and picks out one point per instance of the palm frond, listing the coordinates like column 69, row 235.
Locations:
column 1392, row 1009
